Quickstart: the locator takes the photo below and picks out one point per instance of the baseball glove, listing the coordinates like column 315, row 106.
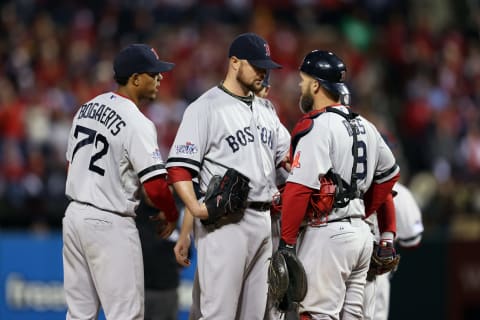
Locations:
column 384, row 259
column 287, row 280
column 226, row 199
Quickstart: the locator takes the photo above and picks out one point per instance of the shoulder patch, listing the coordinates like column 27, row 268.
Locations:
column 296, row 160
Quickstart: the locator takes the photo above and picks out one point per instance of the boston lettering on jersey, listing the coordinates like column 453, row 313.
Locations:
column 103, row 114
column 244, row 136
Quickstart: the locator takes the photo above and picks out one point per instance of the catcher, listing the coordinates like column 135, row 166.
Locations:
column 342, row 170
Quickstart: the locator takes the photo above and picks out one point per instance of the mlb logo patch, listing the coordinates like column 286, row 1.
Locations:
column 156, row 155
column 188, row 148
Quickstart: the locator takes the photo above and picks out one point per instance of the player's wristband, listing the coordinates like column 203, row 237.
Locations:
column 387, row 236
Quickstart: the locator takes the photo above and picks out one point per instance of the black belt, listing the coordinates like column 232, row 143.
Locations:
column 346, row 219
column 259, row 206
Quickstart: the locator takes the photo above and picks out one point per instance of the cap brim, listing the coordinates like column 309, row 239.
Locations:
column 265, row 64
column 163, row 66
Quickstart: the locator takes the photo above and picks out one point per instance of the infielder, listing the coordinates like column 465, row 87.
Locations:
column 409, row 235
column 334, row 148
column 229, row 127
column 112, row 152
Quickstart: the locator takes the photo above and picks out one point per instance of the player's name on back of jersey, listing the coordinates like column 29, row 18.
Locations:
column 103, row 114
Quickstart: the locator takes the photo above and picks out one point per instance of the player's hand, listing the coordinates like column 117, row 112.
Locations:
column 181, row 250
column 286, row 163
column 164, row 227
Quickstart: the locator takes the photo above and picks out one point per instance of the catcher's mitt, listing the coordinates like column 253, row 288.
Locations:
column 226, row 199
column 384, row 259
column 287, row 280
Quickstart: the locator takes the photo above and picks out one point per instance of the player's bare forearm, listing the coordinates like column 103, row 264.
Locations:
column 187, row 224
column 183, row 243
column 186, row 192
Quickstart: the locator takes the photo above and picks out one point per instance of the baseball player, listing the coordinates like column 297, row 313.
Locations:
column 112, row 155
column 409, row 235
column 281, row 176
column 229, row 127
column 338, row 159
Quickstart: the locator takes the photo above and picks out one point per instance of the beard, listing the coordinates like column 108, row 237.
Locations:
column 253, row 85
column 306, row 103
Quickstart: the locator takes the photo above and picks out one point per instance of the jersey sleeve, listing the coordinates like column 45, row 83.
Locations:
column 68, row 153
column 70, row 142
column 143, row 151
column 283, row 143
column 387, row 167
column 409, row 217
column 188, row 147
column 312, row 155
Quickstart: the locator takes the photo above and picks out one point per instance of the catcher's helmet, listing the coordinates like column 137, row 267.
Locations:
column 330, row 71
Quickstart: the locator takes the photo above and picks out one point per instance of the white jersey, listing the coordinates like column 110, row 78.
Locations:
column 409, row 217
column 331, row 135
column 220, row 131
column 112, row 149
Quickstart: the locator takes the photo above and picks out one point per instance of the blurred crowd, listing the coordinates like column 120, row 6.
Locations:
column 413, row 69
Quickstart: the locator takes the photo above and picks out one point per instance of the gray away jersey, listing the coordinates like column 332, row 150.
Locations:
column 220, row 131
column 329, row 145
column 112, row 149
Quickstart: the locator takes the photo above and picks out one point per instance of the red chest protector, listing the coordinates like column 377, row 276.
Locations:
column 303, row 126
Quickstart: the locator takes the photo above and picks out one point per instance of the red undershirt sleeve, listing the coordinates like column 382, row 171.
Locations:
column 386, row 216
column 176, row 174
column 376, row 195
column 295, row 201
column 158, row 192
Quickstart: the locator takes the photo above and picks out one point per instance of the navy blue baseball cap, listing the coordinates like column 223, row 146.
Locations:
column 139, row 58
column 254, row 49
